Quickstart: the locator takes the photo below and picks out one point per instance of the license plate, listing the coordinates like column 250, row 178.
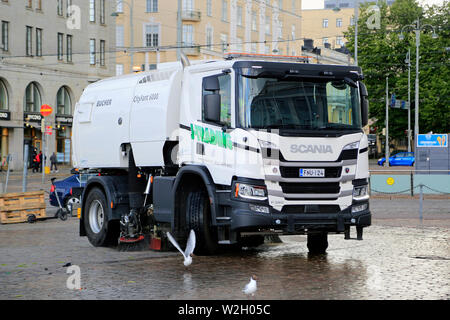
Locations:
column 312, row 173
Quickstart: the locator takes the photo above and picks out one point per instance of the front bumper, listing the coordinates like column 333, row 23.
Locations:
column 239, row 217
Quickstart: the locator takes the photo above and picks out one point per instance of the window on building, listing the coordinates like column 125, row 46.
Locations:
column 3, row 96
column 29, row 4
column 59, row 8
column 344, row 5
column 63, row 102
column 339, row 22
column 340, row 40
column 224, row 10
column 102, row 12
column 119, row 6
column 152, row 6
column 352, row 21
column 239, row 15
column 120, row 36
column 32, row 98
column 92, row 57
column 209, row 8
column 69, row 48
column 224, row 41
column 253, row 47
column 68, row 9
column 92, row 10
column 5, row 35
column 325, row 40
column 267, row 24
column 60, row 46
column 39, row 5
column 293, row 6
column 225, row 98
column 254, row 21
column 266, row 49
column 119, row 69
column 188, row 34
column 239, row 44
column 102, row 52
column 280, row 4
column 38, row 42
column 209, row 37
column 325, row 23
column 29, row 41
column 152, row 35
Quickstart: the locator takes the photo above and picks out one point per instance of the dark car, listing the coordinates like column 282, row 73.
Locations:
column 63, row 188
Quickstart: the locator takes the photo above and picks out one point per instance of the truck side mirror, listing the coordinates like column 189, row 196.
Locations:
column 211, row 84
column 364, row 104
column 212, row 107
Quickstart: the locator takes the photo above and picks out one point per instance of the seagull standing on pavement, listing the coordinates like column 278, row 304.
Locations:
column 251, row 287
column 190, row 246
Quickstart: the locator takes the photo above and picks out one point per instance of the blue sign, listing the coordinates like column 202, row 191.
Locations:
column 432, row 140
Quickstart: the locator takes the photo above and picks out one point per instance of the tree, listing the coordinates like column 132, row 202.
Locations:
column 382, row 54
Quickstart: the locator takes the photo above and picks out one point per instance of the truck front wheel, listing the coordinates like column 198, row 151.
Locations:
column 199, row 217
column 317, row 242
column 96, row 220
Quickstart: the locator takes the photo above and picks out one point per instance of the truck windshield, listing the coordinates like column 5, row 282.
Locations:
column 294, row 103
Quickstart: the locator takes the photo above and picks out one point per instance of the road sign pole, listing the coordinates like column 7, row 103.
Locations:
column 387, row 124
column 43, row 149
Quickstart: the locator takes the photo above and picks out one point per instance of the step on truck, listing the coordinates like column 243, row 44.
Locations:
column 234, row 149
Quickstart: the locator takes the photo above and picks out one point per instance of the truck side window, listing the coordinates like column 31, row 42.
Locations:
column 225, row 98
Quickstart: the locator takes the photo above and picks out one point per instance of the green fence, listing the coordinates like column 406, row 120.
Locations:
column 410, row 183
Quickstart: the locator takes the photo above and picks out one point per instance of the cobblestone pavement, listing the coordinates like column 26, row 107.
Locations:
column 399, row 258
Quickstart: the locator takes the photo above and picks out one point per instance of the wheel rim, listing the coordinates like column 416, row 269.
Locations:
column 96, row 216
column 71, row 202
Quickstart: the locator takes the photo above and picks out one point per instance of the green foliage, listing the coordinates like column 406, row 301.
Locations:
column 382, row 54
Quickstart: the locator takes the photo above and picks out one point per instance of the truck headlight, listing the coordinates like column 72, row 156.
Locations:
column 353, row 145
column 248, row 191
column 360, row 193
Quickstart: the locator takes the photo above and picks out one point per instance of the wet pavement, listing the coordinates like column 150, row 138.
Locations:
column 399, row 258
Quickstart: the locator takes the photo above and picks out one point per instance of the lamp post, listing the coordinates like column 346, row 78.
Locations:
column 416, row 27
column 116, row 14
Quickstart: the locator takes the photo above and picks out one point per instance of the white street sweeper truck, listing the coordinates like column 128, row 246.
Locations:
column 234, row 149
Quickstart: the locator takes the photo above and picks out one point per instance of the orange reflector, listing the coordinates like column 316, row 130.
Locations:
column 139, row 175
column 236, row 192
column 151, row 179
column 79, row 213
column 112, row 205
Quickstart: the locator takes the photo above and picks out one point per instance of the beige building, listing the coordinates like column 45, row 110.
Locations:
column 209, row 29
column 326, row 26
column 49, row 52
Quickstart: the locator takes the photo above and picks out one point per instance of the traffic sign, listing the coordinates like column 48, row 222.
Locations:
column 46, row 110
column 49, row 130
column 401, row 104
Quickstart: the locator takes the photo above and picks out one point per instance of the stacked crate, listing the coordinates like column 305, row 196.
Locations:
column 17, row 207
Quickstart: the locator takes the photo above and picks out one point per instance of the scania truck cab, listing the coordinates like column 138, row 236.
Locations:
column 234, row 149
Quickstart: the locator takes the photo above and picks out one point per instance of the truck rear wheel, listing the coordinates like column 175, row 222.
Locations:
column 317, row 242
column 199, row 217
column 96, row 221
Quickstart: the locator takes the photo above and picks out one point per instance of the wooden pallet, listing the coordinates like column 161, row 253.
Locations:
column 16, row 207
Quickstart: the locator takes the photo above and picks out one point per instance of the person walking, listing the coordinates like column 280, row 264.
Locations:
column 53, row 162
column 36, row 162
column 40, row 160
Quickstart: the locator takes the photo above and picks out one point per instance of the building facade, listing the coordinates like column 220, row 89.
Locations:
column 49, row 52
column 209, row 29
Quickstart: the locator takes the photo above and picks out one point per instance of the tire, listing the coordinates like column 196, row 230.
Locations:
column 199, row 219
column 317, row 243
column 96, row 220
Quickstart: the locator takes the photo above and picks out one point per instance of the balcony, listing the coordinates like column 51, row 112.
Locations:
column 191, row 15
column 191, row 49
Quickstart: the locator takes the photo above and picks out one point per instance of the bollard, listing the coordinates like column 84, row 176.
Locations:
column 412, row 184
column 421, row 203
column 25, row 168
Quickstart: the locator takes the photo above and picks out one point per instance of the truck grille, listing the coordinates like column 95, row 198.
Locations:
column 311, row 188
column 292, row 209
column 294, row 172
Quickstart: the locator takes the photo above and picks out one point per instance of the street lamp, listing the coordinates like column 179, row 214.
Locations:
column 417, row 28
column 116, row 14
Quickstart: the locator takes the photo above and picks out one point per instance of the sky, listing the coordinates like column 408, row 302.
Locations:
column 318, row 4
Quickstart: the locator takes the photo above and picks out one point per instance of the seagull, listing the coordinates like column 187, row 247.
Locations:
column 187, row 254
column 250, row 288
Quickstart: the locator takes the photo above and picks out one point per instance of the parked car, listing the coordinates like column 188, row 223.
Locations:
column 63, row 189
column 399, row 159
